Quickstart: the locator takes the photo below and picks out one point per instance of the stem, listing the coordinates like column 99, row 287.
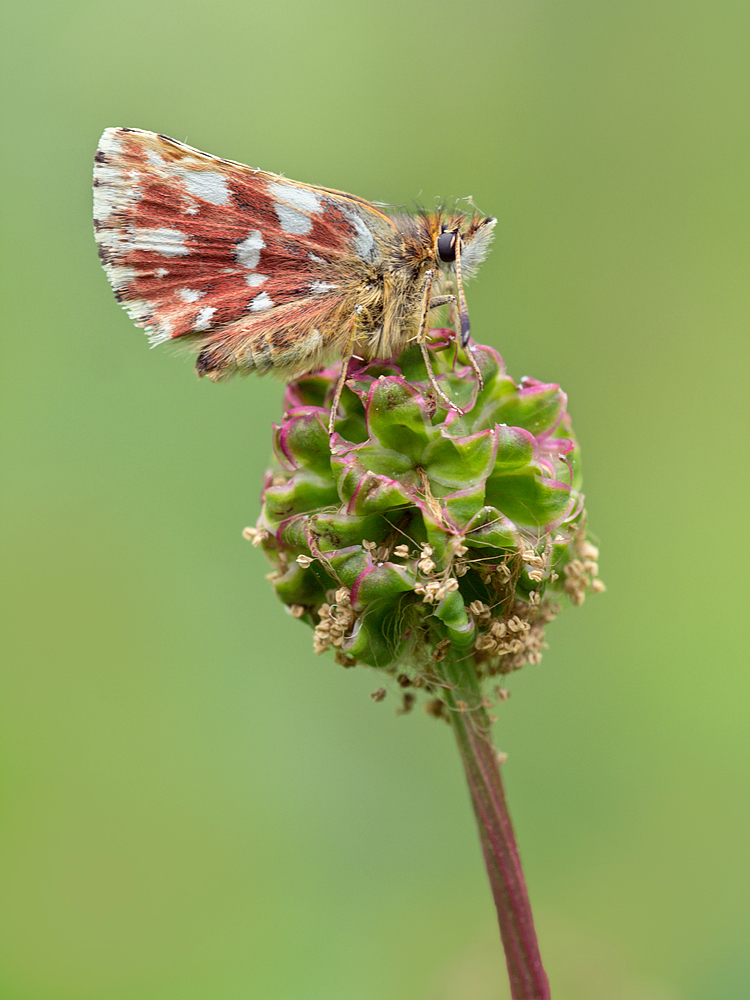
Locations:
column 471, row 726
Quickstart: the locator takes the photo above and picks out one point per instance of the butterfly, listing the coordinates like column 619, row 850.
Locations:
column 261, row 273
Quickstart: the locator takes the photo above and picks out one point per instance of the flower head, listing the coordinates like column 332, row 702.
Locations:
column 415, row 527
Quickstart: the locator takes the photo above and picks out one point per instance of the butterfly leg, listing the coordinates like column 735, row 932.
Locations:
column 345, row 359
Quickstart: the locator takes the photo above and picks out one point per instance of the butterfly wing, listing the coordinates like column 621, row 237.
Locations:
column 259, row 271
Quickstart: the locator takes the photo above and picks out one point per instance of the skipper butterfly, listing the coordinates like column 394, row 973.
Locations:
column 261, row 273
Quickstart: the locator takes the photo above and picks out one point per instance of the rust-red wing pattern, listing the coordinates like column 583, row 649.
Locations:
column 258, row 272
column 197, row 245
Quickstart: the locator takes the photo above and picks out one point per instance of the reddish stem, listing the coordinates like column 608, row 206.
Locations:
column 468, row 717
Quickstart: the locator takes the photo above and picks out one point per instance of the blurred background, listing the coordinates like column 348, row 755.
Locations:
column 194, row 804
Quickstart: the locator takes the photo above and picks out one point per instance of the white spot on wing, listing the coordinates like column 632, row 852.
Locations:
column 190, row 294
column 167, row 242
column 120, row 277
column 203, row 319
column 108, row 178
column 209, row 185
column 262, row 301
column 320, row 287
column 294, row 206
column 108, row 143
column 296, row 197
column 111, row 193
column 291, row 221
column 161, row 272
column 248, row 251
column 104, row 203
column 364, row 241
column 253, row 280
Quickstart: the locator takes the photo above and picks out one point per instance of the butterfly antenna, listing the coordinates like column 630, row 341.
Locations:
column 422, row 338
column 463, row 316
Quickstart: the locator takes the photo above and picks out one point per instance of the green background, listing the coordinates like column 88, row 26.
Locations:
column 195, row 806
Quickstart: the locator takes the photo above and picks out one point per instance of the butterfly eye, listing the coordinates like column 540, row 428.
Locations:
column 446, row 247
